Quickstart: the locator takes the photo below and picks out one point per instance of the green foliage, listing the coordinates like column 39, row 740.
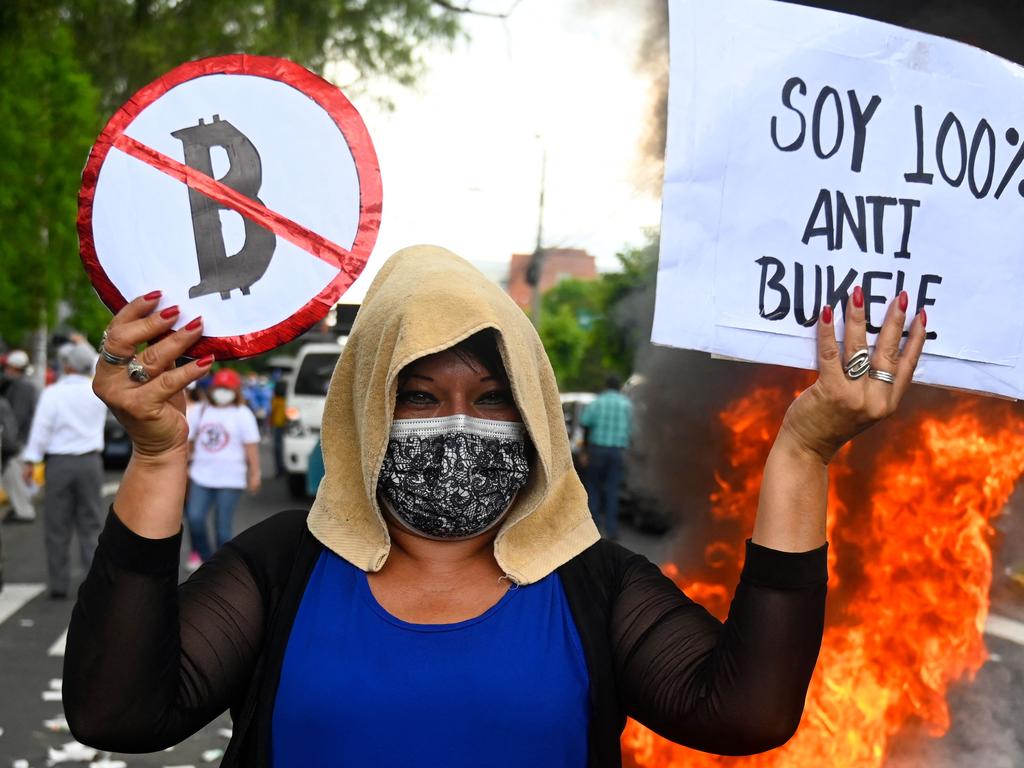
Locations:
column 589, row 327
column 68, row 64
column 126, row 43
column 48, row 117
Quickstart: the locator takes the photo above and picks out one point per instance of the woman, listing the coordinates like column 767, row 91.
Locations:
column 447, row 600
column 225, row 443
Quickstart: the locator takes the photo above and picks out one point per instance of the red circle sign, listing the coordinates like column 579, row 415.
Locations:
column 298, row 156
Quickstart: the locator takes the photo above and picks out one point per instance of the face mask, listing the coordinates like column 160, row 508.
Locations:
column 452, row 477
column 222, row 396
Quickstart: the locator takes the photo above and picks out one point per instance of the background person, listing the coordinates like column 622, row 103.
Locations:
column 20, row 391
column 279, row 424
column 225, row 460
column 67, row 432
column 607, row 425
column 383, row 627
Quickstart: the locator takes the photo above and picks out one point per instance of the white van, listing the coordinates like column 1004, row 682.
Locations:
column 304, row 404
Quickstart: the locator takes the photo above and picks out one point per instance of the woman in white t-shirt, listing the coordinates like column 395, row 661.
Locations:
column 224, row 442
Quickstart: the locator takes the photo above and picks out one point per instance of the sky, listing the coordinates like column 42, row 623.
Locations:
column 461, row 151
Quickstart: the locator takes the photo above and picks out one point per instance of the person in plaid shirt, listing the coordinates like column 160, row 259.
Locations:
column 607, row 424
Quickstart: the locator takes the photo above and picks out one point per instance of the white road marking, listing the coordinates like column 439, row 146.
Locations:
column 15, row 596
column 1005, row 629
column 109, row 489
column 57, row 649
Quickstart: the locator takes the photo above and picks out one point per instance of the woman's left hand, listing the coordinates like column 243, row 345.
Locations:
column 836, row 407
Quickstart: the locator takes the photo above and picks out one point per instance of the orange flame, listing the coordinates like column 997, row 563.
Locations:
column 917, row 553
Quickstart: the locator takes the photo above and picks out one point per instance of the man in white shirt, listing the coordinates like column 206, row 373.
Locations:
column 67, row 431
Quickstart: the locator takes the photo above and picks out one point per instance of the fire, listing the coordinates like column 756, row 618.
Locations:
column 909, row 531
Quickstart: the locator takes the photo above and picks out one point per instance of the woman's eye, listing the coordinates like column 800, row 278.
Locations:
column 496, row 397
column 416, row 397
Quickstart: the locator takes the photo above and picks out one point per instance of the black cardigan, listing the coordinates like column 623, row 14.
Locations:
column 148, row 663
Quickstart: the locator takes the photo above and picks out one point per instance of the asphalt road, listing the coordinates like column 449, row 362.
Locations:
column 987, row 714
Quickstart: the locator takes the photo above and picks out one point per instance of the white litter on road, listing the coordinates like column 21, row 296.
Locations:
column 109, row 489
column 16, row 595
column 20, row 763
column 57, row 649
column 51, row 696
column 58, row 724
column 225, row 732
column 72, row 752
column 106, row 762
column 1005, row 629
column 56, row 684
column 26, row 623
column 210, row 755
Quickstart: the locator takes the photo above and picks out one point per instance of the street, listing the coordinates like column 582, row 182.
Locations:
column 986, row 713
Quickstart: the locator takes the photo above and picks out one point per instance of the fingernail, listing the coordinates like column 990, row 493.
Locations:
column 170, row 312
column 826, row 315
column 904, row 300
column 193, row 324
column 153, row 295
column 858, row 297
column 924, row 319
column 205, row 361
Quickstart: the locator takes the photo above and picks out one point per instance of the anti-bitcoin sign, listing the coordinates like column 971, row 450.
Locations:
column 244, row 188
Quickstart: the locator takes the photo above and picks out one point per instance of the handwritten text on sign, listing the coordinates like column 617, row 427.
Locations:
column 826, row 152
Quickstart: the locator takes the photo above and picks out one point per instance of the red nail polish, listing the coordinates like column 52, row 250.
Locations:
column 858, row 297
column 924, row 319
column 826, row 315
column 205, row 361
column 153, row 295
column 904, row 300
column 170, row 312
column 193, row 324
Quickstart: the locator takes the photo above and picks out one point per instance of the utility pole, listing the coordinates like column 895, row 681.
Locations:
column 536, row 269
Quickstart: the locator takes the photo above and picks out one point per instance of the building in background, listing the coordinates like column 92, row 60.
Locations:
column 559, row 264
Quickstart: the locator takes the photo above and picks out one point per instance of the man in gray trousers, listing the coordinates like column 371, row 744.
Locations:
column 67, row 432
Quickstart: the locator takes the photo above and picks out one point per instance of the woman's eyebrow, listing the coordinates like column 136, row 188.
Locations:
column 416, row 376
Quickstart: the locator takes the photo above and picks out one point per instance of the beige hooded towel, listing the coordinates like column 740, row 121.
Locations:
column 426, row 299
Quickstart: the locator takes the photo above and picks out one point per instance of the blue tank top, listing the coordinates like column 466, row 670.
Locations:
column 361, row 687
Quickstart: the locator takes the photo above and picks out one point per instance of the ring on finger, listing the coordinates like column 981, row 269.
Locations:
column 860, row 362
column 137, row 372
column 878, row 375
column 109, row 356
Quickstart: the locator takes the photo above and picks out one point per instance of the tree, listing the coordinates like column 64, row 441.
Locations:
column 48, row 117
column 591, row 328
column 126, row 43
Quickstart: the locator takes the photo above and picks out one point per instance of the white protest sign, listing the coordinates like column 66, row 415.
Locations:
column 810, row 152
column 244, row 188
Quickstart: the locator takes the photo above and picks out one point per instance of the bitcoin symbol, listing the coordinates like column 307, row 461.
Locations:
column 218, row 272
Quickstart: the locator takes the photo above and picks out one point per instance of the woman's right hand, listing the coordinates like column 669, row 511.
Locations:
column 152, row 413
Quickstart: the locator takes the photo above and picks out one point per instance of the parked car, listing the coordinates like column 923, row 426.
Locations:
column 117, row 445
column 573, row 404
column 304, row 407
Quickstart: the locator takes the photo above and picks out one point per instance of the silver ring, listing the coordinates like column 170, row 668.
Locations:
column 885, row 376
column 860, row 362
column 110, row 357
column 136, row 371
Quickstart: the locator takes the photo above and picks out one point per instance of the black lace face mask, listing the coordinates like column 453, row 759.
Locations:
column 452, row 477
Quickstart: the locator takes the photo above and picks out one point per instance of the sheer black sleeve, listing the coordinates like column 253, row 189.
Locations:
column 148, row 663
column 733, row 688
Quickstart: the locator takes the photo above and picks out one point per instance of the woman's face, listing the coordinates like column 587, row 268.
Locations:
column 449, row 383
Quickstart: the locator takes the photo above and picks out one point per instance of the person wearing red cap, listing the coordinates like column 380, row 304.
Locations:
column 224, row 441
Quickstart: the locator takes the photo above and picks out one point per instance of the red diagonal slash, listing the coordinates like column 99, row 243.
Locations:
column 291, row 231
